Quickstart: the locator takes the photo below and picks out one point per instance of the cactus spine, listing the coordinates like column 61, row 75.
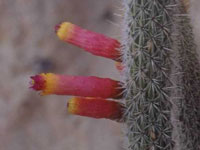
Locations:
column 189, row 104
column 147, row 53
column 146, row 57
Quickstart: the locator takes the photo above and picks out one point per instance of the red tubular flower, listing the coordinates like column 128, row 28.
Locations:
column 92, row 42
column 95, row 108
column 76, row 85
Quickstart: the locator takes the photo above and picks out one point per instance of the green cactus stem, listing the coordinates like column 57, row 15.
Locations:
column 146, row 52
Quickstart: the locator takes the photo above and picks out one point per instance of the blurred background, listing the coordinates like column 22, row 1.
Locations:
column 28, row 46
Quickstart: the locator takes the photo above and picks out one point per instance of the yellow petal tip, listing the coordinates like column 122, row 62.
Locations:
column 64, row 30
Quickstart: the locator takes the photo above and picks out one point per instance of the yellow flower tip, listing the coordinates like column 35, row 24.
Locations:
column 72, row 105
column 32, row 82
column 51, row 81
column 64, row 30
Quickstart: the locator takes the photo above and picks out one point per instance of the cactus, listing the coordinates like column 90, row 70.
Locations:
column 151, row 54
column 146, row 57
column 189, row 81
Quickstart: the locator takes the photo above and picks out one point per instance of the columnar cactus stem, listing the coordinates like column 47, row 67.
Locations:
column 146, row 58
column 189, row 104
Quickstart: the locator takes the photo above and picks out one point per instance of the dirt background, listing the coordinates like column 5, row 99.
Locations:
column 28, row 45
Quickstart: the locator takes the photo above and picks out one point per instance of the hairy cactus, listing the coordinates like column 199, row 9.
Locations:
column 157, row 43
column 146, row 56
column 189, row 81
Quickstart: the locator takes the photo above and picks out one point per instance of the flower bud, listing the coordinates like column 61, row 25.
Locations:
column 76, row 85
column 92, row 42
column 95, row 108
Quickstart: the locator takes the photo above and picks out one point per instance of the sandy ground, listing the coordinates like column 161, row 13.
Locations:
column 28, row 45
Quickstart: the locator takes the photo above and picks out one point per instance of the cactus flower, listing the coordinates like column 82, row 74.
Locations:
column 76, row 85
column 92, row 42
column 95, row 108
column 92, row 90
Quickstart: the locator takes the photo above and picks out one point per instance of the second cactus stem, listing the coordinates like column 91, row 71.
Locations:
column 189, row 81
column 146, row 56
